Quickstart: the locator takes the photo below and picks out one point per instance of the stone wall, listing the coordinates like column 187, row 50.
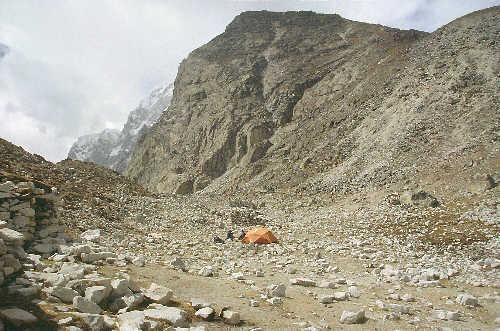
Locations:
column 28, row 219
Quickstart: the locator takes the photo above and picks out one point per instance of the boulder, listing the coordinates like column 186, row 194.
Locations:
column 230, row 317
column 133, row 320
column 11, row 237
column 349, row 317
column 64, row 293
column 97, row 294
column 120, row 287
column 174, row 316
column 127, row 301
column 206, row 271
column 72, row 270
column 354, row 292
column 276, row 290
column 18, row 317
column 139, row 261
column 206, row 313
column 302, row 282
column 467, row 300
column 94, row 322
column 91, row 235
column 158, row 294
column 86, row 306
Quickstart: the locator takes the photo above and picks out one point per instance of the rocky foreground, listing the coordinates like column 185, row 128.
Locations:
column 331, row 268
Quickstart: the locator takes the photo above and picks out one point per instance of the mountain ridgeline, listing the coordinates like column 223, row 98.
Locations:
column 112, row 148
column 321, row 104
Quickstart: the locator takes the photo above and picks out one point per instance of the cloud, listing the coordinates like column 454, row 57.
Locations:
column 77, row 67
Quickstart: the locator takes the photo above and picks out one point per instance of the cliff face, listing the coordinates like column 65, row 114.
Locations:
column 113, row 148
column 318, row 103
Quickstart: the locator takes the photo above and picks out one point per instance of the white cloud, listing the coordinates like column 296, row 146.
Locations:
column 77, row 67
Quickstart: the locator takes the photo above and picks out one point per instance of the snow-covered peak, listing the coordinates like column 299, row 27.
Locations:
column 112, row 148
column 159, row 92
column 84, row 148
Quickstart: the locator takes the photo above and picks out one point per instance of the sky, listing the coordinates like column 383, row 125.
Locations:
column 75, row 67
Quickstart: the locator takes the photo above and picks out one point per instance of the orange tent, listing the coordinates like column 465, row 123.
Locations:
column 259, row 236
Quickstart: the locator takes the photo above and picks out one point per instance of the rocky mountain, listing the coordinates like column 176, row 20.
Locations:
column 378, row 175
column 112, row 148
column 318, row 104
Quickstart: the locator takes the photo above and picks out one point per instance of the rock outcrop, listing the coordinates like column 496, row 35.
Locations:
column 320, row 104
column 112, row 148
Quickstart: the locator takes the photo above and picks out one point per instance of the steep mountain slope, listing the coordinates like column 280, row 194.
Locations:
column 112, row 148
column 93, row 196
column 316, row 103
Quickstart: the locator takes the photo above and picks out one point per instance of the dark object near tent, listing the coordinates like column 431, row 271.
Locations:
column 230, row 235
column 242, row 235
column 218, row 240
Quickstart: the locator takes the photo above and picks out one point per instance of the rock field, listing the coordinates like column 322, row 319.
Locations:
column 386, row 209
column 330, row 269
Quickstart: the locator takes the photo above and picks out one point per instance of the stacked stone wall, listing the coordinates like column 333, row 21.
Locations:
column 28, row 219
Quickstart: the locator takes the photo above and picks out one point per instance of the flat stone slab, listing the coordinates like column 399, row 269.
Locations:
column 18, row 317
column 174, row 316
column 11, row 236
column 133, row 320
column 302, row 282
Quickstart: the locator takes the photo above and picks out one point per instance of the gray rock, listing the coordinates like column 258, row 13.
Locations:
column 302, row 282
column 72, row 270
column 45, row 248
column 230, row 317
column 341, row 296
column 97, row 294
column 326, row 298
column 127, row 301
column 64, row 293
column 93, row 322
column 18, row 317
column 86, row 306
column 139, row 261
column 206, row 271
column 120, row 287
column 91, row 235
column 109, row 322
column 198, row 303
column 254, row 303
column 276, row 290
column 77, row 250
column 93, row 257
column 48, row 278
column 398, row 308
column 349, row 317
column 354, row 292
column 12, row 237
column 206, row 313
column 134, row 320
column 29, row 291
column 158, row 294
column 177, row 263
column 65, row 321
column 81, row 285
column 275, row 301
column 174, row 316
column 467, row 300
column 327, row 284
